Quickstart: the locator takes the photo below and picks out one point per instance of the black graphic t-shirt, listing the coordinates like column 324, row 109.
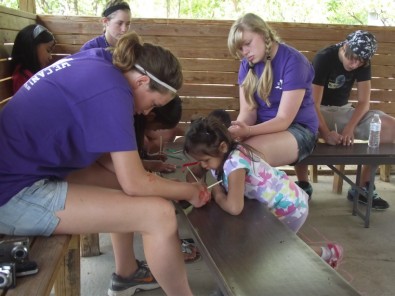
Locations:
column 337, row 82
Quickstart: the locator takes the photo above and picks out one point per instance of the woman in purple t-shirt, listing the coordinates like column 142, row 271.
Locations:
column 116, row 19
column 69, row 162
column 277, row 115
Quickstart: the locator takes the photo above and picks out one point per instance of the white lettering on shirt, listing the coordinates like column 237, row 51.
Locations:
column 279, row 84
column 55, row 67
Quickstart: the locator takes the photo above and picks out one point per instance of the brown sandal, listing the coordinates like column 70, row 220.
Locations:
column 190, row 251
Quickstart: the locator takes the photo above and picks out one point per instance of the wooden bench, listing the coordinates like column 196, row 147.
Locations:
column 254, row 253
column 58, row 260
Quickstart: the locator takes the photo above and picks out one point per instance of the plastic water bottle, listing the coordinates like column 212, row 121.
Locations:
column 374, row 133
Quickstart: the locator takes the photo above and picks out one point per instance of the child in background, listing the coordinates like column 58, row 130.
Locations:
column 161, row 127
column 31, row 53
column 221, row 114
column 244, row 173
column 148, row 125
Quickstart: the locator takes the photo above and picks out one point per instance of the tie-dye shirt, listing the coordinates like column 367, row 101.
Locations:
column 267, row 184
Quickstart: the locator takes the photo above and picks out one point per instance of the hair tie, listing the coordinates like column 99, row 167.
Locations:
column 250, row 66
column 268, row 58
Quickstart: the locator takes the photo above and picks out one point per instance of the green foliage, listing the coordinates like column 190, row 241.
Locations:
column 356, row 12
column 10, row 3
column 353, row 12
column 70, row 7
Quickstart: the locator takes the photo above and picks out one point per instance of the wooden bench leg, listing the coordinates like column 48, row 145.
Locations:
column 385, row 172
column 90, row 245
column 337, row 180
column 68, row 281
column 313, row 172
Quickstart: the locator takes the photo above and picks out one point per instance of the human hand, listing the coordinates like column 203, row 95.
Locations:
column 167, row 168
column 239, row 130
column 347, row 137
column 333, row 138
column 157, row 156
column 202, row 197
column 159, row 166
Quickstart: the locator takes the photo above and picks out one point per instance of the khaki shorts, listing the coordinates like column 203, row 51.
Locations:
column 342, row 115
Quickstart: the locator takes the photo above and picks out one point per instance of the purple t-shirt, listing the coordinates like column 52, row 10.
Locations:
column 63, row 119
column 98, row 42
column 291, row 71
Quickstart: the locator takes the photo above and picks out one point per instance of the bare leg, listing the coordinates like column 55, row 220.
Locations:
column 365, row 174
column 278, row 149
column 302, row 172
column 91, row 209
column 387, row 134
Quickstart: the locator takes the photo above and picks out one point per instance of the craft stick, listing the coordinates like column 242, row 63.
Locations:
column 193, row 175
column 335, row 127
column 208, row 187
column 175, row 151
column 190, row 164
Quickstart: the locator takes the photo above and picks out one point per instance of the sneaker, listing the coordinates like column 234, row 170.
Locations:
column 377, row 203
column 142, row 279
column 306, row 186
column 336, row 255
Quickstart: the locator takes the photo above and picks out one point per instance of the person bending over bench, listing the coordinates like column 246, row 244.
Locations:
column 241, row 171
column 337, row 67
column 69, row 162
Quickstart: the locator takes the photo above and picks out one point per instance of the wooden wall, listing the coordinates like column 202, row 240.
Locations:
column 201, row 45
column 210, row 72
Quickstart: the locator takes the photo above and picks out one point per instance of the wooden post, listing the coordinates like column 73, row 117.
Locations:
column 68, row 282
column 90, row 245
column 337, row 180
column 385, row 172
column 28, row 5
column 313, row 171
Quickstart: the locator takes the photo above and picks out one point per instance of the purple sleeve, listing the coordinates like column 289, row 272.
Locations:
column 242, row 71
column 298, row 73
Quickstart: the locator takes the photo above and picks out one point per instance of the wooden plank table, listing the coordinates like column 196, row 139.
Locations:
column 358, row 154
column 254, row 253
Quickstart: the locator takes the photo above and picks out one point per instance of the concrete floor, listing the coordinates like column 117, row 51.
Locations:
column 369, row 253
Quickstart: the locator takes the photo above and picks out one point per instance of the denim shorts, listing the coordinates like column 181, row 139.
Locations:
column 306, row 140
column 32, row 211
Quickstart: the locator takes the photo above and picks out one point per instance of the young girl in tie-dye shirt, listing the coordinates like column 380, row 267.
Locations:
column 243, row 172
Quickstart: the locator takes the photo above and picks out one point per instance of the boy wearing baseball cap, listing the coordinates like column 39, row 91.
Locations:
column 337, row 68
